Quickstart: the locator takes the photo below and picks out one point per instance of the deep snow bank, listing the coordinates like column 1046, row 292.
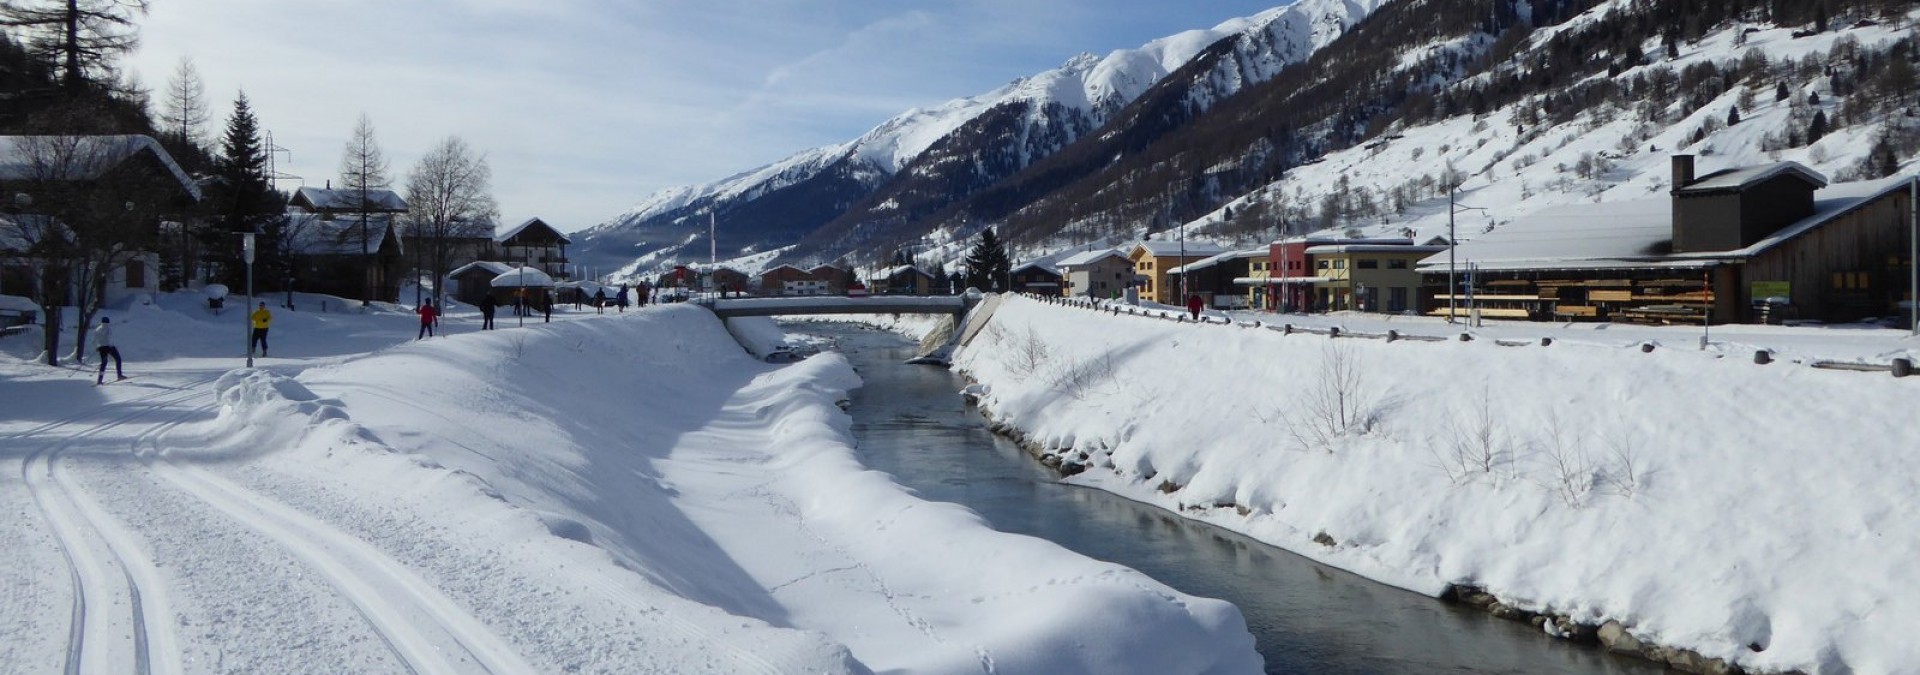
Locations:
column 1752, row 513
column 641, row 474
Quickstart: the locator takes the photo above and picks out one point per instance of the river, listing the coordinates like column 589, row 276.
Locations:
column 1306, row 617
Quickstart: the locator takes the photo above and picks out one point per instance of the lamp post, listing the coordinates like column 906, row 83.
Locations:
column 1453, row 287
column 246, row 253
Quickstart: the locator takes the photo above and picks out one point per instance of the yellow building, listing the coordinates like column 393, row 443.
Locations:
column 1152, row 259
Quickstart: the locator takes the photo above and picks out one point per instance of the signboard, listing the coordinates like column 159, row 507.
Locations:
column 1769, row 289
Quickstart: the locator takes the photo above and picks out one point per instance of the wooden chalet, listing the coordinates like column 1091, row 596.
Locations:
column 347, row 242
column 1737, row 245
column 538, row 244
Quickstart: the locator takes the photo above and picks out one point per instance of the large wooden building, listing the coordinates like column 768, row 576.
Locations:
column 1742, row 244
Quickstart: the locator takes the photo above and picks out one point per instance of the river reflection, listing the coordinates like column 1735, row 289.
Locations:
column 1305, row 617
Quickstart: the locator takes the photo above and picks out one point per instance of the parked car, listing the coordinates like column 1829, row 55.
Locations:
column 856, row 290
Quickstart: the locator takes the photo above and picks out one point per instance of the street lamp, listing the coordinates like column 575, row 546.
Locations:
column 1453, row 287
column 246, row 253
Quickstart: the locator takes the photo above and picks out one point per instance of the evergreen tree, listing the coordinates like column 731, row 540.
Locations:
column 987, row 263
column 1780, row 92
column 1818, row 127
column 1733, row 116
column 242, row 198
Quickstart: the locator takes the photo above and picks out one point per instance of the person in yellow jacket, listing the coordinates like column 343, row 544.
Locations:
column 261, row 319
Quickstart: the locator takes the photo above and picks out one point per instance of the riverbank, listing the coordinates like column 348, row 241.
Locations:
column 600, row 494
column 1738, row 511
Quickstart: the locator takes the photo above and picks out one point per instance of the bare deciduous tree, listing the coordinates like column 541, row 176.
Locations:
column 83, row 36
column 363, row 171
column 186, row 103
column 84, row 208
column 450, row 198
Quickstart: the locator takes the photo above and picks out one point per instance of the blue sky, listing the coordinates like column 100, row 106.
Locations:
column 586, row 106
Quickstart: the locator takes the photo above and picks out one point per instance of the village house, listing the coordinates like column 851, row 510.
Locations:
column 1151, row 259
column 40, row 173
column 346, row 242
column 1369, row 276
column 903, row 280
column 790, row 280
column 1105, row 273
column 1035, row 278
column 1742, row 244
column 474, row 280
column 1215, row 279
column 836, row 277
column 538, row 244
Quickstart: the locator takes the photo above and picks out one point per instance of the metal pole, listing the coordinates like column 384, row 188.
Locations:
column 1706, row 317
column 247, row 249
column 1452, row 286
column 1913, row 259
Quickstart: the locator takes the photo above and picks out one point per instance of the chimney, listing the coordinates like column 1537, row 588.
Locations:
column 1682, row 171
column 329, row 183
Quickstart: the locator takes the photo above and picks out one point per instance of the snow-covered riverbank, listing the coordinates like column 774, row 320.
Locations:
column 617, row 493
column 1749, row 512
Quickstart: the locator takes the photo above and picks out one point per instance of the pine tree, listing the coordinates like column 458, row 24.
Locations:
column 1733, row 116
column 1780, row 92
column 1818, row 127
column 242, row 169
column 987, row 263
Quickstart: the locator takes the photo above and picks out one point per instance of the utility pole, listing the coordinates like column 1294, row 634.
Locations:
column 246, row 251
column 1453, row 287
column 1913, row 254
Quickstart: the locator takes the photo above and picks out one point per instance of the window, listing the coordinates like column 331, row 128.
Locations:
column 1326, row 264
column 1367, row 264
column 1397, row 264
column 1397, row 299
column 1340, row 263
column 136, row 274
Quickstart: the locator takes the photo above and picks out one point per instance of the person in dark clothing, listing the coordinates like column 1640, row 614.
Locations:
column 103, row 343
column 620, row 299
column 548, row 308
column 486, row 312
column 427, row 317
column 600, row 301
column 1194, row 304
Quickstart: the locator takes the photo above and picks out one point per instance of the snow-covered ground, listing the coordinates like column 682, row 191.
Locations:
column 620, row 493
column 1757, row 513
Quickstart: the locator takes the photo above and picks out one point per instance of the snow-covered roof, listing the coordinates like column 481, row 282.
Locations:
column 88, row 158
column 313, row 234
column 1035, row 265
column 328, row 199
column 1089, row 257
column 523, row 277
column 496, row 268
column 1215, row 260
column 18, row 304
column 1161, row 248
column 522, row 227
column 1633, row 234
column 1279, row 281
column 1741, row 178
column 1325, row 249
column 891, row 272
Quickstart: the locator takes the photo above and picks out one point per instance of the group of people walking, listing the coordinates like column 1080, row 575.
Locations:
column 261, row 319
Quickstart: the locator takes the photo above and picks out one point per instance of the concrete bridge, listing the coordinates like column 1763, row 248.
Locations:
column 956, row 305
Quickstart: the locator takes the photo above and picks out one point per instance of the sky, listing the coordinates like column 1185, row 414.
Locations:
column 584, row 107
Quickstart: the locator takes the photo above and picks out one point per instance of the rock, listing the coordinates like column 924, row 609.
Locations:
column 1169, row 487
column 1325, row 539
column 1615, row 638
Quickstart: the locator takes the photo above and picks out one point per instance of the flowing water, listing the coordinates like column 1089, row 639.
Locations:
column 1305, row 617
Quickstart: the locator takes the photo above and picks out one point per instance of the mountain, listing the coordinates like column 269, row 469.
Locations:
column 1512, row 105
column 846, row 198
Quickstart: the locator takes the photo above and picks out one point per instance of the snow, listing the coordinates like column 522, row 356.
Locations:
column 613, row 493
column 1749, row 512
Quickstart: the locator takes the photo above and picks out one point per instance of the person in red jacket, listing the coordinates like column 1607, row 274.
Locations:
column 1194, row 304
column 428, row 316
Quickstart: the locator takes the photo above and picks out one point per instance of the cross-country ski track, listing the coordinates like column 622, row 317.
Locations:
column 120, row 614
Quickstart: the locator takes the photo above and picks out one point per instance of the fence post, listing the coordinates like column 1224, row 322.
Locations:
column 1902, row 367
column 1762, row 357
